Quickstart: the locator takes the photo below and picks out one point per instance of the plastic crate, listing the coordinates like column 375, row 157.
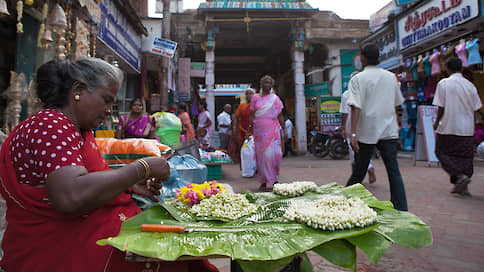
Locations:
column 214, row 171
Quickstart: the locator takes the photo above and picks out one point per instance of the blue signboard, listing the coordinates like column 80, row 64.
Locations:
column 116, row 32
column 404, row 2
column 165, row 48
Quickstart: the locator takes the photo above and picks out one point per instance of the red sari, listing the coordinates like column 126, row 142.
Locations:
column 40, row 238
column 243, row 112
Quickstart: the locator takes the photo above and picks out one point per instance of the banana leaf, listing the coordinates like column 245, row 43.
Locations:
column 267, row 239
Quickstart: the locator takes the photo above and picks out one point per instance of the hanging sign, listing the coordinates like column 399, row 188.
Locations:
column 316, row 89
column 165, row 48
column 184, row 79
column 433, row 18
column 197, row 69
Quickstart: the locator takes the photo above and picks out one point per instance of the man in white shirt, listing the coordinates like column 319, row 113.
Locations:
column 344, row 109
column 458, row 101
column 374, row 95
column 287, row 144
column 224, row 125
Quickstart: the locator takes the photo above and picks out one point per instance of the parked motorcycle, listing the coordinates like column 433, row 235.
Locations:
column 333, row 144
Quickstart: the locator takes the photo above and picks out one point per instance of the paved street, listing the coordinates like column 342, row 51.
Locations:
column 457, row 223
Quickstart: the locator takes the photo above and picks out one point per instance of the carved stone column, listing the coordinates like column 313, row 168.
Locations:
column 299, row 81
column 210, row 81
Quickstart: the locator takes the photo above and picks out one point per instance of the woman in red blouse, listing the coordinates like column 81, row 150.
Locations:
column 60, row 197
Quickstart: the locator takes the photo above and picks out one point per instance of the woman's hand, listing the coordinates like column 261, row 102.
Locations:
column 159, row 168
column 148, row 188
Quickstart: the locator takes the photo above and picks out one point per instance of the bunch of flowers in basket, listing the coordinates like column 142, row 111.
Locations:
column 193, row 193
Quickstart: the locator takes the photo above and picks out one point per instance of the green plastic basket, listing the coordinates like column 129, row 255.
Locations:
column 214, row 172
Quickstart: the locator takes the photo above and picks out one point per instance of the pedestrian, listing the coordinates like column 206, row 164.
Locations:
column 345, row 127
column 243, row 113
column 224, row 120
column 458, row 102
column 287, row 143
column 61, row 196
column 136, row 124
column 204, row 120
column 233, row 148
column 374, row 96
column 187, row 128
column 266, row 119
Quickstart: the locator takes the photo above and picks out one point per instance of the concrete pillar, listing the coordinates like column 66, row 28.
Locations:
column 299, row 80
column 210, row 81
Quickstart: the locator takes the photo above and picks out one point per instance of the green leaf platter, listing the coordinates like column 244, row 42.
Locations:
column 268, row 242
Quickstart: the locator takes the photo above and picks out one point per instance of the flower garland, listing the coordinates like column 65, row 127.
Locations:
column 331, row 213
column 293, row 189
column 224, row 205
column 193, row 193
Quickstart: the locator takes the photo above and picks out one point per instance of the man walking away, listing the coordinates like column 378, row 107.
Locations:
column 374, row 96
column 458, row 100
column 224, row 126
column 287, row 144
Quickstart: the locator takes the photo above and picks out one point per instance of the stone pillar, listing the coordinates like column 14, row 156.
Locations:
column 210, row 81
column 299, row 80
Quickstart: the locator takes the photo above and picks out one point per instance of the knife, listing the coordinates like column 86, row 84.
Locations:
column 182, row 229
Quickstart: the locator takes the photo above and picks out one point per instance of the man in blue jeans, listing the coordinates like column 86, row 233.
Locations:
column 374, row 95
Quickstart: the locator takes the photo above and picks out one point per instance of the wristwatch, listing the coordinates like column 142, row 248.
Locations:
column 353, row 134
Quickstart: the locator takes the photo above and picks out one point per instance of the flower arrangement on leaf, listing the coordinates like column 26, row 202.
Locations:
column 193, row 193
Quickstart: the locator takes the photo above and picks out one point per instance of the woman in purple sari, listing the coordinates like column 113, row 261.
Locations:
column 266, row 119
column 136, row 124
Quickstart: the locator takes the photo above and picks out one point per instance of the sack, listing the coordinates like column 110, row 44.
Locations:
column 168, row 128
column 247, row 158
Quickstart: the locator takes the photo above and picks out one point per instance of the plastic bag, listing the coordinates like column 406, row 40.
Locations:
column 190, row 169
column 119, row 152
column 247, row 158
column 168, row 128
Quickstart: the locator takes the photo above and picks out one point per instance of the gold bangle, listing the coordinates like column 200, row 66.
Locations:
column 146, row 166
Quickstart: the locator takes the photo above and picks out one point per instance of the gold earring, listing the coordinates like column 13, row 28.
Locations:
column 77, row 97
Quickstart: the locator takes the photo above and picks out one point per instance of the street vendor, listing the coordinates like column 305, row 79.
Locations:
column 60, row 197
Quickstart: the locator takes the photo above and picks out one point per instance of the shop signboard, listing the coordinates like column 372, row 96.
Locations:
column 434, row 17
column 425, row 140
column 261, row 4
column 197, row 69
column 318, row 89
column 380, row 17
column 350, row 62
column 162, row 47
column 184, row 79
column 330, row 116
column 404, row 2
column 116, row 32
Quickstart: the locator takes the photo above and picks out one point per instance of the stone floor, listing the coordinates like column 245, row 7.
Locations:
column 457, row 223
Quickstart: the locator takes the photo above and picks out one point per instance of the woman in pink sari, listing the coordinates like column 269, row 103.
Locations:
column 266, row 119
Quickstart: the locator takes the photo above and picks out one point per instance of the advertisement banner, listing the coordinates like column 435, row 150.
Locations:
column 184, row 79
column 425, row 142
column 318, row 89
column 350, row 61
column 116, row 33
column 197, row 69
column 433, row 18
column 165, row 48
column 330, row 116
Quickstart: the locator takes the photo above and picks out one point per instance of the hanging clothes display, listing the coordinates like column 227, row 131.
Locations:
column 435, row 60
column 473, row 49
column 427, row 65
column 461, row 52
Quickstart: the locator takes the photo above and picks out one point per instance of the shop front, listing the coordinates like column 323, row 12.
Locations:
column 428, row 35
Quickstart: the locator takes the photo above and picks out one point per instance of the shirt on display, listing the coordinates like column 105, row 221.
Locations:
column 461, row 52
column 473, row 49
column 434, row 59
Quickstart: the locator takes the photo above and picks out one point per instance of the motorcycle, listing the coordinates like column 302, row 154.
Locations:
column 333, row 144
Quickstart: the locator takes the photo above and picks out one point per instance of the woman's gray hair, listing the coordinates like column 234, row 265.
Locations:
column 54, row 79
column 96, row 73
column 266, row 77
